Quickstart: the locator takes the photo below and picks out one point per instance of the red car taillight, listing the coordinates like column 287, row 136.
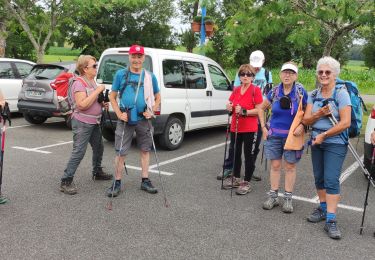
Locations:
column 373, row 113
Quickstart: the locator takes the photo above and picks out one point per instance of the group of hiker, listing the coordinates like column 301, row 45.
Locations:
column 279, row 115
column 289, row 110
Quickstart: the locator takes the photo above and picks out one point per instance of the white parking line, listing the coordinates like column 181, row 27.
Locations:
column 37, row 149
column 188, row 155
column 150, row 170
column 315, row 201
column 20, row 126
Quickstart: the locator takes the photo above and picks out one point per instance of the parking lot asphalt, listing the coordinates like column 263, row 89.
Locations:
column 202, row 222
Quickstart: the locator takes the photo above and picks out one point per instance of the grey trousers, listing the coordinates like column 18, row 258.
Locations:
column 83, row 134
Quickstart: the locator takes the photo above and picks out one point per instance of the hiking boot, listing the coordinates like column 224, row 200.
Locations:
column 227, row 173
column 68, row 187
column 287, row 205
column 244, row 188
column 148, row 187
column 256, row 178
column 100, row 175
column 228, row 183
column 317, row 215
column 114, row 191
column 270, row 203
column 332, row 229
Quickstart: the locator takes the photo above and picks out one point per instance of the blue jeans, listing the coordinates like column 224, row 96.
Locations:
column 327, row 161
column 83, row 134
column 274, row 150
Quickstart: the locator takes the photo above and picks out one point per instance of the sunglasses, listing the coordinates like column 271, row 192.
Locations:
column 93, row 66
column 326, row 72
column 248, row 74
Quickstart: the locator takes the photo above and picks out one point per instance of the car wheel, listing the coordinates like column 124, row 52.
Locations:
column 173, row 134
column 34, row 119
column 108, row 134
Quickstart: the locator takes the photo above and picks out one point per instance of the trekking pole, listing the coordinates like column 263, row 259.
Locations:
column 166, row 203
column 225, row 150
column 110, row 202
column 106, row 99
column 234, row 150
column 368, row 188
column 334, row 121
column 5, row 115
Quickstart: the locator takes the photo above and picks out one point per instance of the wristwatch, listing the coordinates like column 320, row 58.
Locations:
column 244, row 112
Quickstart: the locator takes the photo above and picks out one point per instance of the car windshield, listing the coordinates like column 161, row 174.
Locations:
column 110, row 64
column 45, row 72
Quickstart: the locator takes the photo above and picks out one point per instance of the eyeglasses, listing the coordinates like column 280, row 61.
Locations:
column 93, row 66
column 288, row 72
column 326, row 72
column 247, row 74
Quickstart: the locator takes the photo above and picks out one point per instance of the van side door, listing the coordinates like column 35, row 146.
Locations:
column 173, row 88
column 198, row 94
column 221, row 91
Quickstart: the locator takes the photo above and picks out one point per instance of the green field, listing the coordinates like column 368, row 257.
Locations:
column 58, row 58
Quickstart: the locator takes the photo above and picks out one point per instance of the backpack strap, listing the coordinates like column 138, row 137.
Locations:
column 267, row 75
column 123, row 87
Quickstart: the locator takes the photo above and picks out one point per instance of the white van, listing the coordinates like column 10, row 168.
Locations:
column 194, row 90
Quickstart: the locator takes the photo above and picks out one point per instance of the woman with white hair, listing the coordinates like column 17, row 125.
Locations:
column 329, row 142
column 283, row 100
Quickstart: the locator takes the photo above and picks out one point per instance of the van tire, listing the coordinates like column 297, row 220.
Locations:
column 108, row 134
column 36, row 120
column 173, row 134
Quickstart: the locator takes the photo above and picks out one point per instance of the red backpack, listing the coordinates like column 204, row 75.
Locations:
column 63, row 84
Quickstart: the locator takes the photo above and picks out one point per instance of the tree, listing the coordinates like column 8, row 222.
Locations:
column 100, row 25
column 337, row 18
column 189, row 40
column 38, row 19
column 4, row 20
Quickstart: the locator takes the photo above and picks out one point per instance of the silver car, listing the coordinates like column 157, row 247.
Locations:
column 37, row 99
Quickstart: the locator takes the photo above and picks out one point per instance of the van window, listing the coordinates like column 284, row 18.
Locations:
column 195, row 77
column 6, row 71
column 173, row 74
column 110, row 64
column 219, row 81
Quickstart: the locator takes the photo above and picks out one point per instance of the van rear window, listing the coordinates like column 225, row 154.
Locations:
column 110, row 64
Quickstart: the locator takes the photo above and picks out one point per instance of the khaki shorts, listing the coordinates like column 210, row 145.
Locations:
column 124, row 135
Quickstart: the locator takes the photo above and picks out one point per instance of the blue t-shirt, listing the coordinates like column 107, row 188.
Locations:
column 259, row 80
column 323, row 123
column 127, row 99
column 281, row 119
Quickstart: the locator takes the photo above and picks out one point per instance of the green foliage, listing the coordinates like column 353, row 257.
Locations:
column 189, row 40
column 101, row 25
column 18, row 44
column 369, row 52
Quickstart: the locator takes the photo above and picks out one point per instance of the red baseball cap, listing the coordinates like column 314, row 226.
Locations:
column 136, row 49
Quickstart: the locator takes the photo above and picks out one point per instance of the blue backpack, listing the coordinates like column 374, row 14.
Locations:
column 357, row 104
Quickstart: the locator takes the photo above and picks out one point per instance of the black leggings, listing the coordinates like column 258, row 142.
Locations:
column 248, row 140
column 228, row 162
